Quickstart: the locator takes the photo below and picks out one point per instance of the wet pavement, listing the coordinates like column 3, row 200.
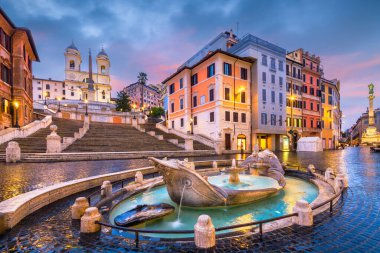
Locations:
column 354, row 227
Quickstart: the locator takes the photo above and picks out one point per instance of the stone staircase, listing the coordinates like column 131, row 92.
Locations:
column 106, row 137
column 149, row 127
column 36, row 143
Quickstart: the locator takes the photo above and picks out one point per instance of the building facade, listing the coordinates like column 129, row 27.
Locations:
column 17, row 52
column 264, row 93
column 78, row 85
column 331, row 113
column 143, row 96
column 294, row 101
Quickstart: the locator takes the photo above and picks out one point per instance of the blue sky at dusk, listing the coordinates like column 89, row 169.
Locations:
column 158, row 36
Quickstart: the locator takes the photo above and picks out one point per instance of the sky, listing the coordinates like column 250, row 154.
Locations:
column 157, row 36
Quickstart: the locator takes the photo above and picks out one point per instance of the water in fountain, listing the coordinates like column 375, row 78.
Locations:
column 180, row 202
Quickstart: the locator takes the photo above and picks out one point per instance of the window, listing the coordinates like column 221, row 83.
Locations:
column 264, row 77
column 294, row 72
column 211, row 70
column 263, row 118
column 280, row 80
column 311, row 65
column 272, row 64
column 212, row 117
column 227, row 69
column 311, row 91
column 299, row 74
column 273, row 79
column 311, row 106
column 236, row 117
column 264, row 60
column 181, row 83
column 243, row 73
column 330, row 90
column 103, row 69
column 264, row 94
column 317, row 107
column 203, row 99
column 280, row 65
column 311, row 123
column 72, row 64
column 287, row 69
column 72, row 94
column 280, row 98
column 181, row 104
column 195, row 101
column 172, row 107
column 182, row 123
column 172, row 123
column 304, row 104
column 211, row 94
column 330, row 100
column 273, row 119
column 195, row 119
column 5, row 40
column 63, row 92
column 227, row 93
column 323, row 88
column 304, row 77
column 194, row 79
column 48, row 86
column 243, row 118
column 227, row 116
column 273, row 96
column 171, row 88
column 318, row 82
column 280, row 120
column 311, row 80
column 5, row 74
column 242, row 97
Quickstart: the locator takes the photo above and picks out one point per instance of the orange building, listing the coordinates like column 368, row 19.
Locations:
column 212, row 98
column 17, row 52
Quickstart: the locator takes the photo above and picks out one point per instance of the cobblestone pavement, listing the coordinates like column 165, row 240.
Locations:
column 354, row 226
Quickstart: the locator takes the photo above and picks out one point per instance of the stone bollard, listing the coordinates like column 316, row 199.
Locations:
column 214, row 165
column 342, row 179
column 204, row 232
column 328, row 174
column 189, row 144
column 311, row 168
column 79, row 207
column 53, row 141
column 12, row 152
column 106, row 189
column 305, row 214
column 87, row 222
column 139, row 178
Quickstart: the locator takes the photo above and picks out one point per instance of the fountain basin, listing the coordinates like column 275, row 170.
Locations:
column 277, row 205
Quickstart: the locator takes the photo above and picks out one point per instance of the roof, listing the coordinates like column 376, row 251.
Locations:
column 208, row 56
column 72, row 46
column 28, row 33
column 102, row 53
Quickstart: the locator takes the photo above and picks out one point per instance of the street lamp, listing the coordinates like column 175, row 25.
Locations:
column 191, row 126
column 16, row 105
column 292, row 98
column 45, row 95
column 134, row 111
column 86, row 101
column 59, row 104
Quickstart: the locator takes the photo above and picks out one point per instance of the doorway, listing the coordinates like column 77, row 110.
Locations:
column 241, row 142
column 227, row 141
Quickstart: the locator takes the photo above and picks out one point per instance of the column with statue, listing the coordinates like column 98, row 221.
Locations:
column 371, row 136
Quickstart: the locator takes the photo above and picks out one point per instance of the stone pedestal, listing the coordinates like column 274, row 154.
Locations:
column 139, row 178
column 311, row 168
column 204, row 232
column 305, row 214
column 79, row 208
column 328, row 174
column 106, row 189
column 53, row 141
column 189, row 144
column 12, row 152
column 87, row 222
column 134, row 122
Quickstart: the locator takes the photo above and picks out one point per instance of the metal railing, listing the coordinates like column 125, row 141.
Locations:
column 260, row 223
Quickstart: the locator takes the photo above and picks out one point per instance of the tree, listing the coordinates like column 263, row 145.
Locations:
column 156, row 112
column 142, row 77
column 123, row 103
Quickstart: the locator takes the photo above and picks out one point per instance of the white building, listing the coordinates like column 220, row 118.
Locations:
column 267, row 88
column 78, row 85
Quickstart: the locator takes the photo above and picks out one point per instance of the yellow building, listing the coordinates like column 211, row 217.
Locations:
column 331, row 114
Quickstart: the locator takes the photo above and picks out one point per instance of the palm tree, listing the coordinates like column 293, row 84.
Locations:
column 142, row 77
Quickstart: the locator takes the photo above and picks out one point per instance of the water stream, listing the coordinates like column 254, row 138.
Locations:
column 180, row 202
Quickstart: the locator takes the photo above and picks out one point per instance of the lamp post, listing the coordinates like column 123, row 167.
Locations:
column 16, row 105
column 86, row 101
column 191, row 126
column 59, row 104
column 45, row 94
column 292, row 98
column 134, row 111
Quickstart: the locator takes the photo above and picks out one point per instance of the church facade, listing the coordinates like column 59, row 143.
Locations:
column 79, row 85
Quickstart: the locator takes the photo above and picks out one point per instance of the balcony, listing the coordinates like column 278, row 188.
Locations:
column 312, row 129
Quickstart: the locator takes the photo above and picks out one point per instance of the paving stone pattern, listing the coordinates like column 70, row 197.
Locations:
column 354, row 226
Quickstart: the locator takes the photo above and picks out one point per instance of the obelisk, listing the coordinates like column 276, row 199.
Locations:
column 90, row 81
column 371, row 136
column 371, row 118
